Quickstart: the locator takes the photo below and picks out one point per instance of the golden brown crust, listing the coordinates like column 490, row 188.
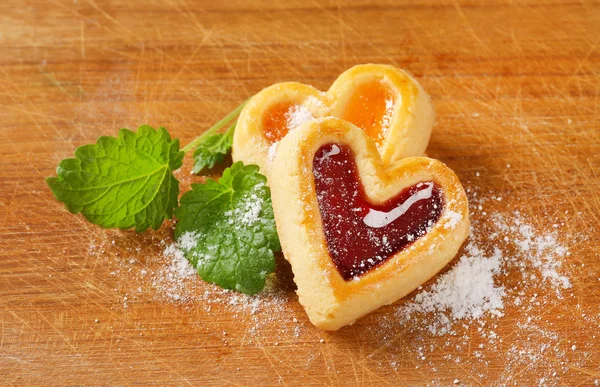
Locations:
column 330, row 301
column 407, row 136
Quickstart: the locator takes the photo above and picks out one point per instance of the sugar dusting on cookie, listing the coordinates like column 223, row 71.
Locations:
column 386, row 119
column 272, row 152
column 297, row 116
column 467, row 291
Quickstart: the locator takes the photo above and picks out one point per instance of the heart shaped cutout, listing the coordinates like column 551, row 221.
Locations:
column 358, row 233
column 386, row 102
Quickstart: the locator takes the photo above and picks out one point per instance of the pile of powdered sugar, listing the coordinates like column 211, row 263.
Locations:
column 474, row 288
column 169, row 278
column 468, row 290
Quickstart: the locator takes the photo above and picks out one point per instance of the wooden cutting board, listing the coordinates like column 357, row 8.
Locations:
column 516, row 88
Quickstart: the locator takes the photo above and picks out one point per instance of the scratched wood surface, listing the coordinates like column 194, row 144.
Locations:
column 513, row 84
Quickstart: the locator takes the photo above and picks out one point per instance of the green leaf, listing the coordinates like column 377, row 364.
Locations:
column 212, row 151
column 227, row 230
column 122, row 182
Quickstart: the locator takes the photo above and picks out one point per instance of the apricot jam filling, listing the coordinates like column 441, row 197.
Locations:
column 282, row 117
column 371, row 107
column 275, row 121
column 361, row 235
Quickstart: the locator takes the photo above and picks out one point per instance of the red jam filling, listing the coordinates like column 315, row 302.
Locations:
column 361, row 235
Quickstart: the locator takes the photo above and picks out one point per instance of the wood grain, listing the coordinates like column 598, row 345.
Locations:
column 513, row 83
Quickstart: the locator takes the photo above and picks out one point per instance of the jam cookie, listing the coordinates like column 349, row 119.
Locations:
column 358, row 233
column 384, row 101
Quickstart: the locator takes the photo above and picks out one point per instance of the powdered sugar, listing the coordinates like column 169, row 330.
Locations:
column 272, row 152
column 170, row 277
column 297, row 116
column 316, row 104
column 187, row 241
column 386, row 119
column 454, row 219
column 543, row 251
column 249, row 210
column 466, row 291
column 473, row 287
column 179, row 265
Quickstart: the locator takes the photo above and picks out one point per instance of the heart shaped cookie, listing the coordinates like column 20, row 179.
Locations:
column 386, row 102
column 360, row 233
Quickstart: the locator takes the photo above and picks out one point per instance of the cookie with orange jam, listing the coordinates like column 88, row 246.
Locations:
column 386, row 102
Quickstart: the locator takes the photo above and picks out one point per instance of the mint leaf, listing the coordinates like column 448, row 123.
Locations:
column 227, row 230
column 211, row 148
column 212, row 151
column 122, row 182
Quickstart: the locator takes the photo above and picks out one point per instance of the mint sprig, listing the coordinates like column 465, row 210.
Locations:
column 210, row 146
column 213, row 150
column 225, row 228
column 229, row 229
column 122, row 182
column 127, row 181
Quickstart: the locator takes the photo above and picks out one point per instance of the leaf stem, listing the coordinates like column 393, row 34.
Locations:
column 217, row 126
column 231, row 129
